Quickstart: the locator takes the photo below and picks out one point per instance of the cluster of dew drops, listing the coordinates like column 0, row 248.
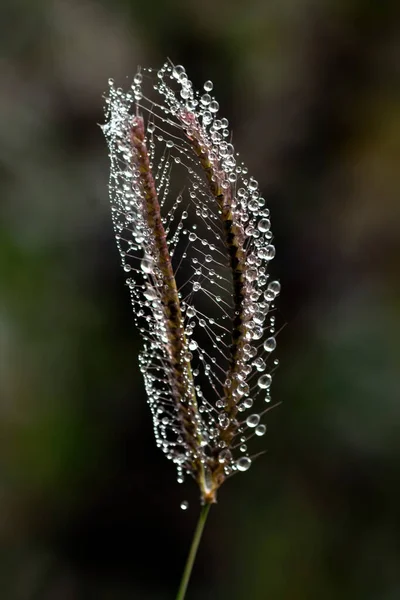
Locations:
column 250, row 211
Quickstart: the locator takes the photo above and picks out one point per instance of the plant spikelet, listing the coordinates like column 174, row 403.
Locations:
column 195, row 240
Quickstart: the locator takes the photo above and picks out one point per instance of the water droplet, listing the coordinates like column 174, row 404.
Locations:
column 264, row 225
column 247, row 402
column 270, row 344
column 214, row 106
column 243, row 463
column 193, row 345
column 253, row 184
column 264, row 381
column 251, row 274
column 270, row 252
column 178, row 71
column 146, row 265
column 127, row 268
column 208, row 86
column 225, row 456
column 260, row 430
column 223, row 421
column 243, row 388
column 257, row 333
column 253, row 420
column 274, row 287
column 259, row 364
column 205, row 99
column 150, row 293
column 184, row 505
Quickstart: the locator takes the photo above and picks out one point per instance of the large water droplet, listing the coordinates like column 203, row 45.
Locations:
column 243, row 463
column 264, row 225
column 274, row 287
column 225, row 456
column 223, row 421
column 150, row 294
column 178, row 71
column 264, row 381
column 270, row 344
column 253, row 420
column 214, row 106
column 190, row 311
column 260, row 430
column 146, row 265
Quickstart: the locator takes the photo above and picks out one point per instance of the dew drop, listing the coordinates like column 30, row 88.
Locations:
column 243, row 463
column 224, row 456
column 223, row 421
column 146, row 265
column 274, row 287
column 247, row 402
column 184, row 505
column 253, row 420
column 264, row 381
column 251, row 274
column 150, row 294
column 214, row 106
column 269, row 252
column 270, row 344
column 253, row 184
column 264, row 225
column 178, row 71
column 208, row 86
column 260, row 430
column 190, row 311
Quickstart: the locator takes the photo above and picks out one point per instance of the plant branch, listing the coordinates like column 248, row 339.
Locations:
column 193, row 551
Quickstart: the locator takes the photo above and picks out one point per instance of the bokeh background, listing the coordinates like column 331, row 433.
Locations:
column 89, row 508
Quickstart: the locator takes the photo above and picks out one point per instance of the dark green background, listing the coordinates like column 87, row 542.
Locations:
column 89, row 509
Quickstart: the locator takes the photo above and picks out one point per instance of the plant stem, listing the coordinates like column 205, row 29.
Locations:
column 193, row 551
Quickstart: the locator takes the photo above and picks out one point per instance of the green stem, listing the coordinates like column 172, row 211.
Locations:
column 193, row 551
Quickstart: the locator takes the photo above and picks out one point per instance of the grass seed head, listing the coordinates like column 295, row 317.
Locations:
column 194, row 236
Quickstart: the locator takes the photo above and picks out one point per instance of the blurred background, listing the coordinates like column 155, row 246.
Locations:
column 89, row 508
